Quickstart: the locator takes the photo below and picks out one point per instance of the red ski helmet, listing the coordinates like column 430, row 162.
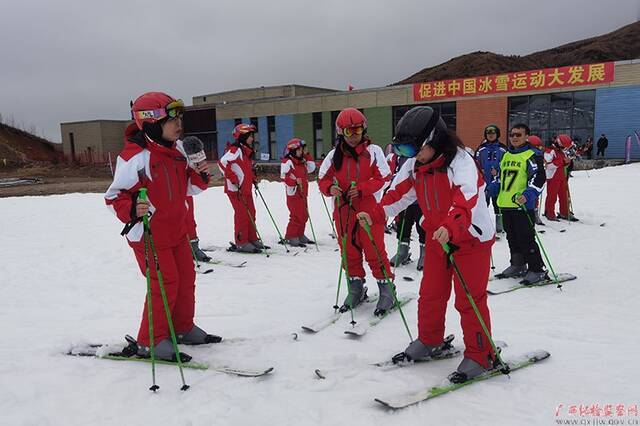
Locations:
column 243, row 129
column 350, row 118
column 564, row 141
column 292, row 145
column 155, row 106
column 535, row 141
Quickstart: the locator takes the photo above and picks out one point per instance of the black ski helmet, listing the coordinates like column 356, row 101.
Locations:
column 420, row 126
column 495, row 128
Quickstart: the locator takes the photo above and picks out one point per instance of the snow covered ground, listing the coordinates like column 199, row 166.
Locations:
column 68, row 277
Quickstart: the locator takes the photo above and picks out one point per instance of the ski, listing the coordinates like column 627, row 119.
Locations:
column 225, row 263
column 403, row 401
column 445, row 351
column 323, row 323
column 360, row 329
column 104, row 351
column 562, row 277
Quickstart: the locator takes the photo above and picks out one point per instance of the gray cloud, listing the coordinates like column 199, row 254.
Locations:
column 70, row 60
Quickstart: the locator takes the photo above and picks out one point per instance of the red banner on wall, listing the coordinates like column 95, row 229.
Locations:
column 549, row 78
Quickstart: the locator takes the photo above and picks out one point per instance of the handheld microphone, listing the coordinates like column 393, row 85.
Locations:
column 194, row 148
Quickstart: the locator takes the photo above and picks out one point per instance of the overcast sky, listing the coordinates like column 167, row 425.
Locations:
column 77, row 60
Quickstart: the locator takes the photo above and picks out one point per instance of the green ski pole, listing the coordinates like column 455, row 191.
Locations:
column 504, row 367
column 149, row 238
column 367, row 229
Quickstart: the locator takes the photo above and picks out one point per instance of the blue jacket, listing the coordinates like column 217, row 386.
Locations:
column 536, row 177
column 488, row 156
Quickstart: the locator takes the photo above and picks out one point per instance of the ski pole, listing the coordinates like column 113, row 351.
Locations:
column 504, row 367
column 367, row 229
column 555, row 277
column 306, row 205
column 154, row 387
column 333, row 229
column 343, row 255
column 149, row 238
column 253, row 222
column 284, row 243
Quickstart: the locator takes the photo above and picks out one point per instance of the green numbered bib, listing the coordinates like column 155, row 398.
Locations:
column 513, row 177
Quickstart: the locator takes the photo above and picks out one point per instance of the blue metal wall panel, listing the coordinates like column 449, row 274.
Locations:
column 284, row 132
column 617, row 116
column 225, row 134
column 263, row 131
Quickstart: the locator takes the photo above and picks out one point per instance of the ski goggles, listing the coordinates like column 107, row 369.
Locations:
column 350, row 131
column 491, row 131
column 405, row 149
column 174, row 109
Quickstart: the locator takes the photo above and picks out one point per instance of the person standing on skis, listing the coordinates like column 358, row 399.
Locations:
column 520, row 184
column 296, row 165
column 237, row 168
column 443, row 178
column 556, row 162
column 355, row 173
column 488, row 157
column 153, row 158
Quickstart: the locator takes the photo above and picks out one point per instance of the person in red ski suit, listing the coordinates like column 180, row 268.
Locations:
column 296, row 165
column 355, row 173
column 237, row 168
column 556, row 163
column 450, row 190
column 153, row 158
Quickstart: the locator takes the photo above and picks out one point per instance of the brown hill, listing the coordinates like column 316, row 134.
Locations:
column 619, row 45
column 20, row 147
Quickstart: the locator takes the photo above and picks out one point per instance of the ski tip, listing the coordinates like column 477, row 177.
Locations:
column 407, row 278
column 308, row 329
column 319, row 374
column 385, row 404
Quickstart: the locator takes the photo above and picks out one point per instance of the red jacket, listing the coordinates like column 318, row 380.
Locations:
column 168, row 178
column 292, row 168
column 555, row 162
column 369, row 171
column 452, row 197
column 237, row 168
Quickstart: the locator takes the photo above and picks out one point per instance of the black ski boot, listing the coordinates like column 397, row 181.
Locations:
column 420, row 265
column 197, row 252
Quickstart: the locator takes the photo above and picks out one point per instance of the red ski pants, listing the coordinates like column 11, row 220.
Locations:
column 435, row 290
column 557, row 188
column 178, row 278
column 298, row 215
column 245, row 231
column 358, row 242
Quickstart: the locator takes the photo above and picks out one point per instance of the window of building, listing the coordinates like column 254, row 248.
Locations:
column 317, row 135
column 447, row 111
column 549, row 115
column 273, row 145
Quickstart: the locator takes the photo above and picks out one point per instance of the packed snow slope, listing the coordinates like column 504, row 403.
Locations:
column 68, row 277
